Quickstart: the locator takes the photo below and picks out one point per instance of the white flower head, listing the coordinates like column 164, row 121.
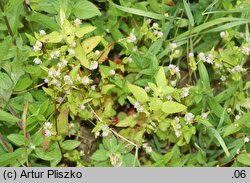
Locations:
column 166, row 15
column 237, row 117
column 238, row 151
column 50, row 72
column 74, row 44
column 82, row 107
column 169, row 97
column 173, row 46
column 77, row 21
column 156, row 32
column 201, row 56
column 155, row 25
column 57, row 73
column 93, row 65
column 191, row 55
column 32, row 146
column 147, row 88
column 237, row 68
column 42, row 32
column 97, row 134
column 57, row 53
column 47, row 133
column 97, row 52
column 246, row 139
column 222, row 34
column 160, row 34
column 140, row 109
column 177, row 120
column 149, row 20
column 48, row 125
column 112, row 72
column 173, row 83
column 189, row 117
column 246, row 50
column 37, row 61
column 85, row 80
column 148, row 149
column 130, row 59
column 131, row 38
column 93, row 87
column 64, row 62
column 71, row 51
column 204, row 115
column 38, row 46
column 177, row 133
column 46, row 80
column 185, row 92
column 135, row 49
column 137, row 104
column 52, row 55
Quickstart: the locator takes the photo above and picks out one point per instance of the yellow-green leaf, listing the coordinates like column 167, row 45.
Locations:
column 89, row 44
column 171, row 107
column 81, row 56
column 62, row 122
column 161, row 78
column 81, row 31
column 139, row 93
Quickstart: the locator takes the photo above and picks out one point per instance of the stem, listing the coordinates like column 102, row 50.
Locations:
column 7, row 22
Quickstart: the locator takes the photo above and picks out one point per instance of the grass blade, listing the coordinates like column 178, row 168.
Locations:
column 189, row 13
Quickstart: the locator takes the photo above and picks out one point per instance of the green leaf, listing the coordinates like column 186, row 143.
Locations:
column 244, row 120
column 8, row 118
column 70, row 144
column 160, row 78
column 216, row 134
column 156, row 104
column 244, row 159
column 11, row 5
column 53, row 37
column 5, row 81
column 139, row 93
column 81, row 31
column 171, row 107
column 81, row 56
column 62, row 122
column 44, row 20
column 89, row 44
column 127, row 122
column 5, row 46
column 9, row 158
column 84, row 9
column 110, row 142
column 231, row 129
column 100, row 155
column 188, row 11
column 16, row 139
column 44, row 155
column 139, row 12
column 204, row 76
column 23, row 83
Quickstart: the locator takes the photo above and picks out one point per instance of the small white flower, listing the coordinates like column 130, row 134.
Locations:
column 82, row 107
column 46, row 80
column 137, row 104
column 77, row 21
column 218, row 65
column 148, row 149
column 238, row 151
column 50, row 72
column 112, row 72
column 241, row 6
column 229, row 110
column 64, row 62
column 36, row 48
column 39, row 44
column 237, row 117
column 97, row 52
column 74, row 44
column 57, row 53
column 173, row 46
column 177, row 52
column 147, row 88
column 130, row 59
column 140, row 109
column 60, row 99
column 59, row 65
column 48, row 125
column 85, row 80
column 191, row 55
column 166, row 15
column 115, row 77
column 237, row 68
column 169, row 97
column 201, row 56
column 246, row 139
column 173, row 83
column 178, row 126
column 155, row 25
column 42, row 32
column 93, row 87
column 245, row 50
column 67, row 92
column 189, row 117
column 37, row 61
column 177, row 120
column 149, row 20
column 135, row 49
column 71, row 51
column 105, row 133
column 97, row 134
column 177, row 133
column 48, row 133
column 160, row 34
column 222, row 34
column 204, row 115
column 156, row 32
column 52, row 55
column 131, row 38
column 57, row 73
column 185, row 92
column 93, row 65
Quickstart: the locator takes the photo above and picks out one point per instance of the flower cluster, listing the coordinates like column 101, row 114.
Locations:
column 189, row 118
column 147, row 148
column 38, row 46
column 177, row 126
column 173, row 69
column 208, row 59
column 131, row 38
column 138, row 106
column 47, row 129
